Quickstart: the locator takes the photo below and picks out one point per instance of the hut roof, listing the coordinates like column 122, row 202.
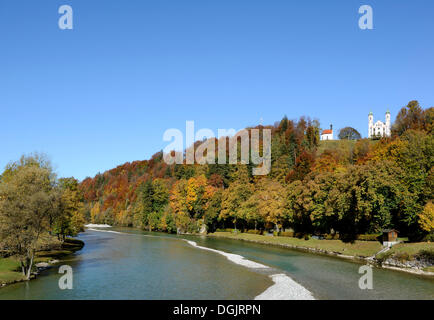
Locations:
column 390, row 230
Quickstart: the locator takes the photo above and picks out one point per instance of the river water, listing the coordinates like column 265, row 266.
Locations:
column 131, row 264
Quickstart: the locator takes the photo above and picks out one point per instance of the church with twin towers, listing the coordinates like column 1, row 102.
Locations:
column 379, row 128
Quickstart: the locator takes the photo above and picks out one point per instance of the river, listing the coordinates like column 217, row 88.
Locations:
column 130, row 264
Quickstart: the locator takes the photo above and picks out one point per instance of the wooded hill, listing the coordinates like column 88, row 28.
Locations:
column 315, row 187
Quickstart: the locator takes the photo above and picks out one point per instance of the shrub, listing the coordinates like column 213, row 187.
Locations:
column 254, row 231
column 287, row 234
column 427, row 255
column 384, row 256
column 402, row 256
column 429, row 237
column 302, row 235
column 225, row 230
column 369, row 237
column 331, row 236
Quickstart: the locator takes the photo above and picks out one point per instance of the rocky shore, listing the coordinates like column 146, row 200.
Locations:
column 415, row 266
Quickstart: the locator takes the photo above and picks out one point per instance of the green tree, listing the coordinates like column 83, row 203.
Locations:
column 368, row 198
column 349, row 133
column 71, row 220
column 410, row 117
column 312, row 135
column 233, row 198
column 27, row 200
column 213, row 211
column 160, row 195
column 308, row 206
column 145, row 207
column 283, row 126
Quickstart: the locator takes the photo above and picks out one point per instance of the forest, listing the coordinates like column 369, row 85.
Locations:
column 342, row 188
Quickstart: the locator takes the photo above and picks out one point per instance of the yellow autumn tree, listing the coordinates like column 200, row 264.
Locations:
column 71, row 222
column 385, row 150
column 426, row 217
column 95, row 212
column 271, row 202
column 178, row 205
column 196, row 196
column 192, row 193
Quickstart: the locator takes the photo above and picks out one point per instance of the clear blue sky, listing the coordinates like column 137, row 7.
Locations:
column 104, row 93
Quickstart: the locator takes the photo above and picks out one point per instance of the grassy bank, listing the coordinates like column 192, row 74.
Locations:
column 412, row 248
column 69, row 246
column 10, row 270
column 404, row 252
column 357, row 249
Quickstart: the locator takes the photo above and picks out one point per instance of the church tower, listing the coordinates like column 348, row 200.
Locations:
column 371, row 125
column 388, row 133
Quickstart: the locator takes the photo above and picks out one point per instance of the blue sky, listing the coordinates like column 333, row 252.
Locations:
column 104, row 93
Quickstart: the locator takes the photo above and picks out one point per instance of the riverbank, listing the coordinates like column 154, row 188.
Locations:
column 416, row 258
column 10, row 271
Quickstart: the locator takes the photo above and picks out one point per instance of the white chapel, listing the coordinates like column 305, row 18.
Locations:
column 379, row 128
column 327, row 134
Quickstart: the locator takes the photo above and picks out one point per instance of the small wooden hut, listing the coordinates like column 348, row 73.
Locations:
column 390, row 235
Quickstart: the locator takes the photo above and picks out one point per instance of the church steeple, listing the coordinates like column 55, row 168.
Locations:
column 388, row 123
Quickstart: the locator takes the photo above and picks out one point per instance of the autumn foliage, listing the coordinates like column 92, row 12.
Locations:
column 348, row 186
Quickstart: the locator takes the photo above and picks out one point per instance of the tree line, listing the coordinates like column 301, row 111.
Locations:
column 346, row 187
